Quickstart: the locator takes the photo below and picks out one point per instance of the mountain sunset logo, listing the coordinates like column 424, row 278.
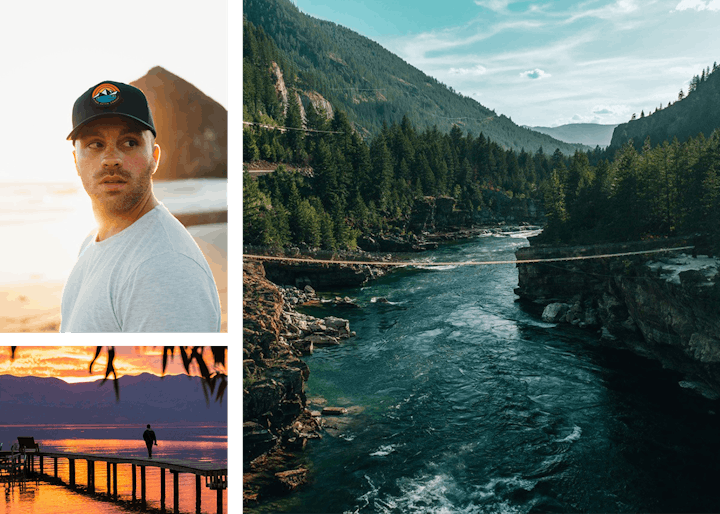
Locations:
column 106, row 94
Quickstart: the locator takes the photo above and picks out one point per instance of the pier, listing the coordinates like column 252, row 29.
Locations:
column 214, row 475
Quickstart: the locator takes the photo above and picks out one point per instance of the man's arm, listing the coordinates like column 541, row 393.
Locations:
column 169, row 293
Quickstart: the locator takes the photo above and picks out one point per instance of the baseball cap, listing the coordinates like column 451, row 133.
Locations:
column 111, row 98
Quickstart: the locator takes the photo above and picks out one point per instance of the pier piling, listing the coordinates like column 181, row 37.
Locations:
column 215, row 476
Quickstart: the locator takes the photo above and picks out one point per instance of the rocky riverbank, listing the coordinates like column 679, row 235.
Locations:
column 663, row 306
column 276, row 421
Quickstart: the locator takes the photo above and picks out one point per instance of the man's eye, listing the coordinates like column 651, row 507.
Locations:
column 131, row 143
column 95, row 144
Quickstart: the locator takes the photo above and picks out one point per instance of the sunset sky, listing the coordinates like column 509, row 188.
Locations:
column 71, row 363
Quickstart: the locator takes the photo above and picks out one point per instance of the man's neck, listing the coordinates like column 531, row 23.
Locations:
column 112, row 224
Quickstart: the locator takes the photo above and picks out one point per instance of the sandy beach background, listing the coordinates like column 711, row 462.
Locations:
column 43, row 225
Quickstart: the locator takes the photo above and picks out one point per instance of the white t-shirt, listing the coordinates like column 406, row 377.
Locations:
column 151, row 277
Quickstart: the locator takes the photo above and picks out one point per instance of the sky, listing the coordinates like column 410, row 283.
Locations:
column 54, row 51
column 545, row 63
column 71, row 363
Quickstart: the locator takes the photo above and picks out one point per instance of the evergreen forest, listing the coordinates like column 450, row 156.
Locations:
column 366, row 186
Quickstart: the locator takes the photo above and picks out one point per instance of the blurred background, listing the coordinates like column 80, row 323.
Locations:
column 177, row 53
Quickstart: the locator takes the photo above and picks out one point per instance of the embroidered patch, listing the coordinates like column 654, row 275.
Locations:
column 106, row 94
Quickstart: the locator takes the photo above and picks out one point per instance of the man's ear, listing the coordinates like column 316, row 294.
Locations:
column 156, row 156
column 76, row 164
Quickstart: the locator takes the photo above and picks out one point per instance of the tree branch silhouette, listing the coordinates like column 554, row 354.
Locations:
column 213, row 382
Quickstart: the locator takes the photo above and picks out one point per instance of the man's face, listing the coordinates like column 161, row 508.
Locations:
column 115, row 159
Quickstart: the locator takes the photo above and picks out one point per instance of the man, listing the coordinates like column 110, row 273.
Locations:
column 149, row 437
column 141, row 271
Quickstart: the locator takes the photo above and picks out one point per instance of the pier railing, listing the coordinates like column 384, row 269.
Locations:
column 214, row 475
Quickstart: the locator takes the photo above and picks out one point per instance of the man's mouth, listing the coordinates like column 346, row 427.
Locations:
column 113, row 180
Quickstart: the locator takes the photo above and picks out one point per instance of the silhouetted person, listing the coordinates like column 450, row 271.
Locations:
column 149, row 436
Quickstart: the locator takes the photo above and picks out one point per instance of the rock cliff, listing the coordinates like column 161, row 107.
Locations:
column 664, row 306
column 440, row 214
column 276, row 421
column 191, row 127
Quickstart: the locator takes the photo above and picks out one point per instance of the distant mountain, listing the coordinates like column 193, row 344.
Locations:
column 590, row 134
column 697, row 112
column 144, row 399
column 330, row 63
column 191, row 127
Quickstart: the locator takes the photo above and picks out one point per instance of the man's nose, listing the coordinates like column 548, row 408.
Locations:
column 112, row 158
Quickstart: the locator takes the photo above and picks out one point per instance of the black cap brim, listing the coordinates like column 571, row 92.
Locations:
column 73, row 135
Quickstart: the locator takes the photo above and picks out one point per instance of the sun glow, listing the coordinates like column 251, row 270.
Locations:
column 71, row 363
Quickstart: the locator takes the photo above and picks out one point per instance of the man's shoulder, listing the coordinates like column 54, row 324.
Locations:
column 164, row 236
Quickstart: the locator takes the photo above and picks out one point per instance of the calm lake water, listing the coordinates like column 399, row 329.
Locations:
column 196, row 442
column 463, row 401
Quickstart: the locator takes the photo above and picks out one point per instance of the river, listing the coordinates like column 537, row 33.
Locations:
column 462, row 400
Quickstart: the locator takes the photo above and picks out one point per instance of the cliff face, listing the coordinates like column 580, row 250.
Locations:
column 665, row 306
column 276, row 421
column 191, row 127
column 432, row 214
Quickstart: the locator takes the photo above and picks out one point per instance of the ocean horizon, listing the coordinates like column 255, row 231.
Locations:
column 43, row 224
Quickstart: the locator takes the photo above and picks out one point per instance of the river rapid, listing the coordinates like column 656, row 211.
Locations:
column 462, row 400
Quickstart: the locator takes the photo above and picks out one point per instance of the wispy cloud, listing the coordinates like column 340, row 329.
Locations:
column 612, row 11
column 494, row 5
column 698, row 5
column 474, row 71
column 537, row 73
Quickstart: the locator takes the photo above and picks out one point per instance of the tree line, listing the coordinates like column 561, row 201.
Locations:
column 671, row 189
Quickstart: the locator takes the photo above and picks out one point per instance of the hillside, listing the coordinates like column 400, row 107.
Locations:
column 590, row 134
column 372, row 85
column 144, row 399
column 697, row 112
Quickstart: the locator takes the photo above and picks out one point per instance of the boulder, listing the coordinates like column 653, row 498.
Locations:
column 291, row 480
column 338, row 325
column 334, row 411
column 554, row 312
column 319, row 340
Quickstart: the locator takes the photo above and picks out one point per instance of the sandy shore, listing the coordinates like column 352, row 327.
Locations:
column 35, row 307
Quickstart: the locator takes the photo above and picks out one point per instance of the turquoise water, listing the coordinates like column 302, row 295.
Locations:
column 462, row 400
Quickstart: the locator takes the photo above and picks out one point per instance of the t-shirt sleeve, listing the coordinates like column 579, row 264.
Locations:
column 169, row 293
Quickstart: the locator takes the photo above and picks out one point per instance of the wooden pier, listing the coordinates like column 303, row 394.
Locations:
column 215, row 475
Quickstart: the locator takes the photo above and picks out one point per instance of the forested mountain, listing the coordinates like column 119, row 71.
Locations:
column 372, row 85
column 590, row 134
column 695, row 112
column 353, row 187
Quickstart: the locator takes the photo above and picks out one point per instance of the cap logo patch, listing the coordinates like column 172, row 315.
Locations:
column 106, row 94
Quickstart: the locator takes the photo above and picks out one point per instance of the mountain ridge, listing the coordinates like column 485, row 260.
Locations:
column 589, row 134
column 172, row 398
column 374, row 86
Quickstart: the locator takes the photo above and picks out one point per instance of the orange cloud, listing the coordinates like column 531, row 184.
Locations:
column 72, row 363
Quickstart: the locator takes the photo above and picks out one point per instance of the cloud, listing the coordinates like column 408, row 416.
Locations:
column 494, row 5
column 70, row 363
column 603, row 111
column 535, row 74
column 618, row 10
column 698, row 5
column 475, row 71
